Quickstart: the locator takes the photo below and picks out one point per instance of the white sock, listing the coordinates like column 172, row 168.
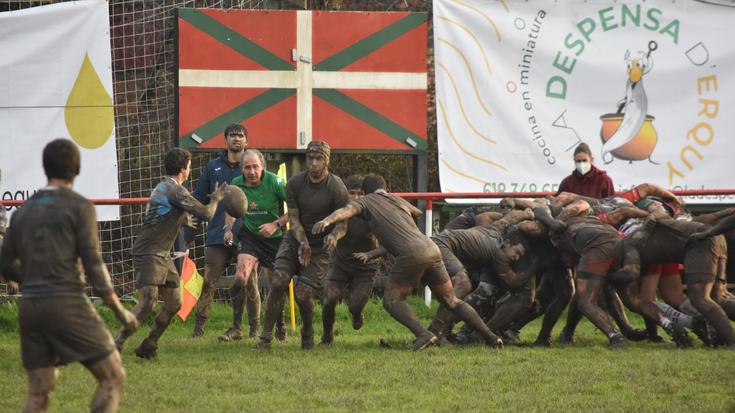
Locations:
column 688, row 308
column 676, row 317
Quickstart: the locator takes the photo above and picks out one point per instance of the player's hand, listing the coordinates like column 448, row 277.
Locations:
column 699, row 235
column 268, row 229
column 218, row 193
column 330, row 243
column 129, row 321
column 229, row 237
column 362, row 256
column 319, row 227
column 509, row 203
column 191, row 221
column 304, row 254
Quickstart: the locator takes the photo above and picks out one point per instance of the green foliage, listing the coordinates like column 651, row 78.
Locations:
column 356, row 374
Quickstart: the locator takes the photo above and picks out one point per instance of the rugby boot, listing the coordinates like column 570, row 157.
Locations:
column 425, row 340
column 617, row 341
column 327, row 338
column 566, row 337
column 636, row 334
column 253, row 333
column 357, row 321
column 262, row 344
column 198, row 327
column 146, row 350
column 511, row 336
column 307, row 342
column 232, row 334
column 542, row 342
column 679, row 335
column 701, row 329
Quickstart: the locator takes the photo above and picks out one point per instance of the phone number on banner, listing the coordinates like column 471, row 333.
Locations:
column 520, row 187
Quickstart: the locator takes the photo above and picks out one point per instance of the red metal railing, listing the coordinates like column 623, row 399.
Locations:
column 428, row 196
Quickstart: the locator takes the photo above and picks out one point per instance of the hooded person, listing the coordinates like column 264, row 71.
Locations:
column 587, row 179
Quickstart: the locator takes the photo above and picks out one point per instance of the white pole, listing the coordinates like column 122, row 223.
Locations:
column 429, row 221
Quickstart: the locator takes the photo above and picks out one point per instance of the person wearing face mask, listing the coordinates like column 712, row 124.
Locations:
column 587, row 179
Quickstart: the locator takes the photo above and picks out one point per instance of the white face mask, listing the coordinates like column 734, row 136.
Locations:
column 583, row 167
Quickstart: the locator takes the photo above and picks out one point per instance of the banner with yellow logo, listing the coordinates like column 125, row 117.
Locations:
column 56, row 82
column 647, row 84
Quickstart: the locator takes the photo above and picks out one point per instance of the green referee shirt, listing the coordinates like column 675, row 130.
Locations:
column 264, row 201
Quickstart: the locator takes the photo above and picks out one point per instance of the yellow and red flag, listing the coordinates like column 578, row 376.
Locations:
column 191, row 287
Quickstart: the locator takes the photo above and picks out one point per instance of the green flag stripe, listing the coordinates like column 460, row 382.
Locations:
column 245, row 110
column 234, row 40
column 370, row 43
column 371, row 117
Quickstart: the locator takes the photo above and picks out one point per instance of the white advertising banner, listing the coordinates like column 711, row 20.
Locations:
column 56, row 82
column 648, row 85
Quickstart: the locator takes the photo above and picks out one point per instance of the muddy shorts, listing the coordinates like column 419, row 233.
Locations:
column 155, row 270
column 61, row 330
column 407, row 272
column 703, row 258
column 264, row 249
column 598, row 260
column 341, row 273
column 287, row 261
column 450, row 260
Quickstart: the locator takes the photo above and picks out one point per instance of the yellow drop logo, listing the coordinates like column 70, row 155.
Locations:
column 89, row 113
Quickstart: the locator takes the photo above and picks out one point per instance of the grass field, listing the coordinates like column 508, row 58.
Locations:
column 355, row 374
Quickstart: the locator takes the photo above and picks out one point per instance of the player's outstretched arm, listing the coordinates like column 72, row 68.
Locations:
column 721, row 227
column 342, row 214
column 184, row 200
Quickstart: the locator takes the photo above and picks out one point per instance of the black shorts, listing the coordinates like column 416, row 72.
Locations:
column 264, row 249
column 345, row 274
column 287, row 261
column 60, row 330
column 155, row 270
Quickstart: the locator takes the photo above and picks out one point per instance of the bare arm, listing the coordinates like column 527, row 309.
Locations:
column 184, row 200
column 370, row 255
column 342, row 214
column 88, row 245
column 513, row 279
column 619, row 215
column 297, row 229
column 649, row 189
column 339, row 231
column 712, row 218
column 721, row 227
column 127, row 319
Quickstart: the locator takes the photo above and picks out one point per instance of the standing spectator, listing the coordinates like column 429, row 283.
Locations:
column 217, row 254
column 587, row 179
